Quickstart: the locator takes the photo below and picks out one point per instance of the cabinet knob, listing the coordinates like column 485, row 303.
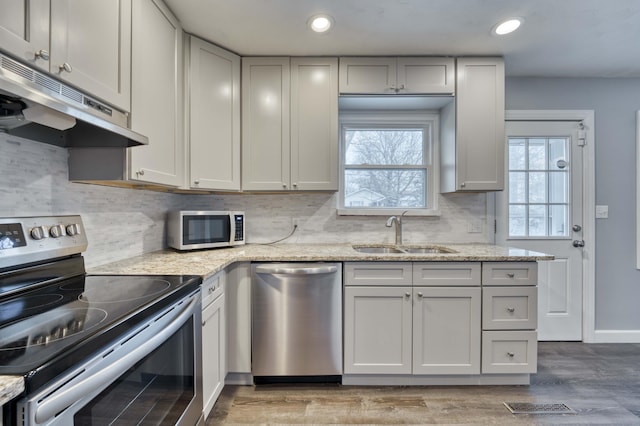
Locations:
column 511, row 275
column 420, row 294
column 407, row 294
column 196, row 182
column 510, row 354
column 284, row 185
column 511, row 310
column 42, row 54
column 65, row 67
column 462, row 185
column 140, row 172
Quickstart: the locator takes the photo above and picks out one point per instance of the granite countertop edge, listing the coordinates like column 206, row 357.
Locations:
column 208, row 262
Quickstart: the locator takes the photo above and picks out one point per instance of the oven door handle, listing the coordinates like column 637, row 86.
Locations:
column 87, row 388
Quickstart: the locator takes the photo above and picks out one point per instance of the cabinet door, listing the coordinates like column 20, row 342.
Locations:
column 213, row 352
column 93, row 39
column 377, row 330
column 214, row 117
column 265, row 124
column 426, row 75
column 368, row 75
column 24, row 30
column 156, row 99
column 480, row 140
column 314, row 124
column 446, row 330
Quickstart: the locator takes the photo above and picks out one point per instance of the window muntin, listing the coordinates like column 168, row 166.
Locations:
column 387, row 163
column 538, row 187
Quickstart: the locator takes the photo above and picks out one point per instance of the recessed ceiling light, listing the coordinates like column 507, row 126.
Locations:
column 508, row 26
column 320, row 23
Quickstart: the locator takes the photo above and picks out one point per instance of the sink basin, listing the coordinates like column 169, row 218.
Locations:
column 427, row 250
column 405, row 250
column 377, row 249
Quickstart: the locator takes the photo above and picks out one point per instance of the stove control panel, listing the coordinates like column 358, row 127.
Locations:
column 32, row 239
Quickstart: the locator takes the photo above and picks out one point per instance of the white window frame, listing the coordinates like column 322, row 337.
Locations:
column 430, row 122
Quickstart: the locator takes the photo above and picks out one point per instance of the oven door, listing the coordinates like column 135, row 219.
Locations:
column 152, row 375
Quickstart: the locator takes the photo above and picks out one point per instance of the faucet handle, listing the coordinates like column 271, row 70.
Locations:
column 390, row 221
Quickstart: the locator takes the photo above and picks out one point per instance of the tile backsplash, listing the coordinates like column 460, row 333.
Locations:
column 122, row 222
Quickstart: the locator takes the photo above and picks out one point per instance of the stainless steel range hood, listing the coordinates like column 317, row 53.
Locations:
column 35, row 106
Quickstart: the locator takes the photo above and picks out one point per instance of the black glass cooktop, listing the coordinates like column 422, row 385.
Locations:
column 46, row 326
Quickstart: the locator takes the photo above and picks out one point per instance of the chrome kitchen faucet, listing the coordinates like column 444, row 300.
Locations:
column 398, row 222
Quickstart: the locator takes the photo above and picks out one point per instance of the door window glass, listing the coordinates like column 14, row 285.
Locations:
column 538, row 187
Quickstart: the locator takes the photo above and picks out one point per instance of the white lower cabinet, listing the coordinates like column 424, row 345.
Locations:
column 214, row 351
column 446, row 336
column 440, row 322
column 509, row 317
column 401, row 329
column 377, row 330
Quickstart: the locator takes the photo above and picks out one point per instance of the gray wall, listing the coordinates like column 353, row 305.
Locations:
column 615, row 102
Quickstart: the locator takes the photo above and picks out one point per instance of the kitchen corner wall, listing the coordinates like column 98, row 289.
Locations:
column 122, row 222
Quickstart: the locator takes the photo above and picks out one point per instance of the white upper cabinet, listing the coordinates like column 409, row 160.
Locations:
column 91, row 47
column 156, row 99
column 24, row 30
column 472, row 141
column 402, row 75
column 289, row 124
column 213, row 125
column 314, row 123
column 265, row 124
column 86, row 43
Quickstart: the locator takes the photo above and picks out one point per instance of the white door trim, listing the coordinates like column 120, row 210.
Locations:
column 589, row 334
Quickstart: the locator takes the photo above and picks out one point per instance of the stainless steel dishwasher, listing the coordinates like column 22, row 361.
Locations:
column 296, row 322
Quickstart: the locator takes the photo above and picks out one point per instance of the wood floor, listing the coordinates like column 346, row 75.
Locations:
column 600, row 382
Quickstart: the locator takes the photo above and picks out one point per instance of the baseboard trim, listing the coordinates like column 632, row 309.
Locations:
column 616, row 336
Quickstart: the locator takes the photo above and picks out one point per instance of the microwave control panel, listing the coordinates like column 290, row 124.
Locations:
column 239, row 234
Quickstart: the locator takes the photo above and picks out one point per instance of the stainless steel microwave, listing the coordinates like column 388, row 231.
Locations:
column 191, row 229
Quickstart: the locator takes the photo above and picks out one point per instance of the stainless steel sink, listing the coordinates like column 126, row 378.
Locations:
column 406, row 250
column 377, row 249
column 427, row 250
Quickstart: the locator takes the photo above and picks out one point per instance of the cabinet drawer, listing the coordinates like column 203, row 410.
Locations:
column 378, row 273
column 212, row 287
column 509, row 308
column 446, row 274
column 509, row 273
column 509, row 351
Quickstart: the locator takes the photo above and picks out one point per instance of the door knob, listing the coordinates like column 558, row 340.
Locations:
column 578, row 243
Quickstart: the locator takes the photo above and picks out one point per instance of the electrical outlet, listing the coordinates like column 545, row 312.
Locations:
column 474, row 226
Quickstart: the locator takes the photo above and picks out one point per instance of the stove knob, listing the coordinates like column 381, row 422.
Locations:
column 38, row 233
column 73, row 229
column 39, row 340
column 56, row 231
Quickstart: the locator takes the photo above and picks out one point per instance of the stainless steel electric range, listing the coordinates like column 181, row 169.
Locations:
column 93, row 349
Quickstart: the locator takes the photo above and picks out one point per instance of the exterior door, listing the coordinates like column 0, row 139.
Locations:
column 541, row 210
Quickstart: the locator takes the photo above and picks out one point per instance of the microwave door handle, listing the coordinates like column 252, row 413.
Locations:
column 96, row 383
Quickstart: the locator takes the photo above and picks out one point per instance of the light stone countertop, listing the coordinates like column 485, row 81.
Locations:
column 207, row 262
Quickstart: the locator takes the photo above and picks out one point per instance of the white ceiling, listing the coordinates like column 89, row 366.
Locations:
column 566, row 38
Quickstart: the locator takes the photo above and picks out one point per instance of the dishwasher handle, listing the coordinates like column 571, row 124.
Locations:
column 295, row 270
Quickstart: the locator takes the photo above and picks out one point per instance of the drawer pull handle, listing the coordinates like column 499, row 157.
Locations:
column 511, row 275
column 511, row 310
column 510, row 354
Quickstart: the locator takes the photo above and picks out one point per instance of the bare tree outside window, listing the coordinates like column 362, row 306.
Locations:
column 387, row 162
column 379, row 152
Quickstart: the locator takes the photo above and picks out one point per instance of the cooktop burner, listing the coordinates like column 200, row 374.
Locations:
column 38, row 325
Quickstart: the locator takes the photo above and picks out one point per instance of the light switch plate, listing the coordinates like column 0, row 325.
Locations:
column 474, row 226
column 602, row 212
